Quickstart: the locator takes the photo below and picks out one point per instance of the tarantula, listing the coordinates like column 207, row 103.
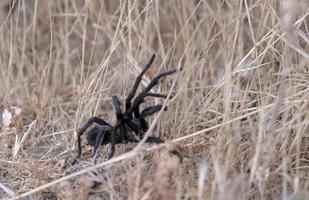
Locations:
column 131, row 124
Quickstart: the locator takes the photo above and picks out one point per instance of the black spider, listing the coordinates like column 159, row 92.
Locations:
column 131, row 125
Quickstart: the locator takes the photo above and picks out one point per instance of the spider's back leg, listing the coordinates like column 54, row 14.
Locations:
column 157, row 140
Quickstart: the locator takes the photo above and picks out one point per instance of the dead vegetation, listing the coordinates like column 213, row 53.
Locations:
column 239, row 117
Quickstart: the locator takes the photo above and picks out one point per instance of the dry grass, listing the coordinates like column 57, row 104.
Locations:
column 240, row 116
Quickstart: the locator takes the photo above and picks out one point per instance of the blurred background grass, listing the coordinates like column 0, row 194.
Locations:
column 245, row 68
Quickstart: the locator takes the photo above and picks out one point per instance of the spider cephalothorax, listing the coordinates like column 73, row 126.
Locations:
column 131, row 124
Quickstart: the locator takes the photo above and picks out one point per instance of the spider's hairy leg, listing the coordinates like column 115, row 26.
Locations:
column 153, row 139
column 157, row 95
column 122, row 132
column 119, row 126
column 144, row 125
column 81, row 131
column 113, row 140
column 155, row 81
column 140, row 98
column 151, row 110
column 147, row 112
column 102, row 130
column 177, row 154
column 137, row 81
column 157, row 140
column 90, row 122
column 132, row 124
column 138, row 126
column 117, row 104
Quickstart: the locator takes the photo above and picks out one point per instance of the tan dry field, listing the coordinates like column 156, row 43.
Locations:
column 239, row 116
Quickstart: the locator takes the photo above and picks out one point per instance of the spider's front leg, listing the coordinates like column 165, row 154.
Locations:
column 151, row 110
column 137, row 82
column 81, row 131
column 140, row 98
